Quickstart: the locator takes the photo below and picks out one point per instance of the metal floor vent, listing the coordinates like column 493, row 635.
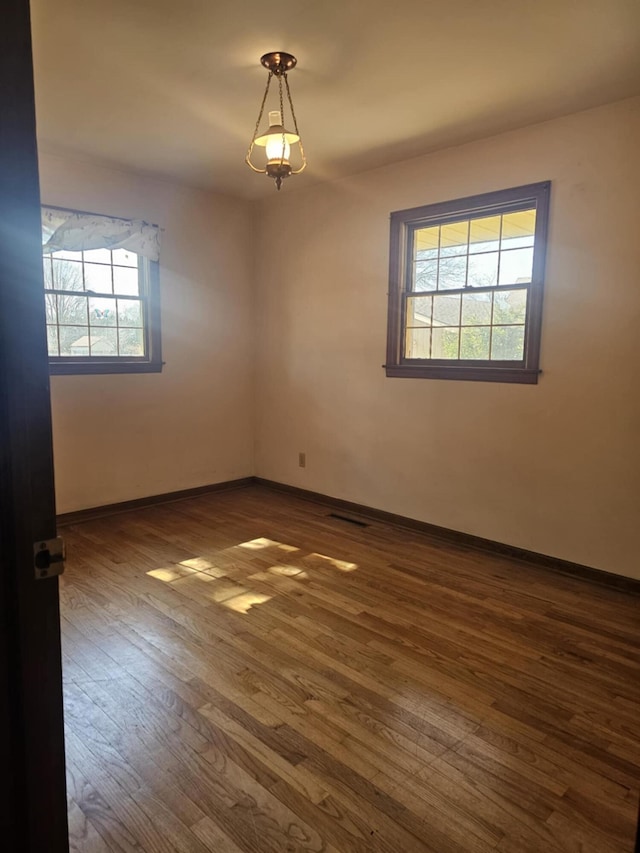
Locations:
column 355, row 521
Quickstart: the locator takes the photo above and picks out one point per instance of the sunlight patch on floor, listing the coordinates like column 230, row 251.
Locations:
column 342, row 565
column 171, row 573
column 288, row 571
column 197, row 563
column 222, row 591
column 195, row 566
column 216, row 572
column 244, row 602
column 259, row 544
column 199, row 578
column 262, row 542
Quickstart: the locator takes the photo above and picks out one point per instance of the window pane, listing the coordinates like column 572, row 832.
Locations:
column 426, row 275
column 507, row 343
column 46, row 269
column 483, row 270
column 125, row 281
column 67, row 256
column 417, row 343
column 510, row 306
column 476, row 309
column 98, row 256
column 419, row 310
column 452, row 273
column 50, row 308
column 426, row 242
column 454, row 238
column 102, row 312
column 130, row 312
column 52, row 340
column 72, row 310
column 516, row 266
column 446, row 310
column 445, row 343
column 74, row 340
column 125, row 258
column 67, row 275
column 97, row 277
column 474, row 342
column 518, row 229
column 132, row 342
column 104, row 342
column 485, row 234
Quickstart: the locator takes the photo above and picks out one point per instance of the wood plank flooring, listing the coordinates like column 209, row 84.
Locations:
column 245, row 674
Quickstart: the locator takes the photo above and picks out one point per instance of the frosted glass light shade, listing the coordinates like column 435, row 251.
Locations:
column 276, row 131
column 275, row 154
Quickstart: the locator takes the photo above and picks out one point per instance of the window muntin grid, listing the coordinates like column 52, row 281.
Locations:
column 473, row 245
column 467, row 288
column 488, row 326
column 96, row 304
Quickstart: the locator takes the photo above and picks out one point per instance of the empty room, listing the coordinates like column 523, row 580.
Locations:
column 319, row 423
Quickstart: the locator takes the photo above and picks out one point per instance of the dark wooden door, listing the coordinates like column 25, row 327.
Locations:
column 31, row 722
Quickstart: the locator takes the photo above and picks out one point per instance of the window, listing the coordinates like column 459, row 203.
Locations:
column 465, row 289
column 101, row 294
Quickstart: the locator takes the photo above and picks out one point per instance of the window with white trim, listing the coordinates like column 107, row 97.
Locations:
column 101, row 293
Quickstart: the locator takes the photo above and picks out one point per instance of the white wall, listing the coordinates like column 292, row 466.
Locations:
column 121, row 437
column 554, row 467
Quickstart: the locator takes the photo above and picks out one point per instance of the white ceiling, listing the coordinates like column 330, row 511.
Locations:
column 172, row 87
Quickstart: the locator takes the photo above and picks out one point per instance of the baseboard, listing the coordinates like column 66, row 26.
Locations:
column 444, row 534
column 67, row 518
column 456, row 537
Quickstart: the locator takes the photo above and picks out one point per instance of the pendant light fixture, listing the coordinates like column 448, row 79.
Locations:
column 276, row 139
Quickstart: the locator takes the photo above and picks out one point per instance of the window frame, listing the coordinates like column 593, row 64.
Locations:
column 404, row 223
column 149, row 363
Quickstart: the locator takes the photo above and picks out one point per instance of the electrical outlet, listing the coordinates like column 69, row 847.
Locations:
column 302, row 460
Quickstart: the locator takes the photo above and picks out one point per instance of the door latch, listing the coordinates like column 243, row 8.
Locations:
column 48, row 557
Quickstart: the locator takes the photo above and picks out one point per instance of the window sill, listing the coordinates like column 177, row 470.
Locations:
column 520, row 375
column 78, row 368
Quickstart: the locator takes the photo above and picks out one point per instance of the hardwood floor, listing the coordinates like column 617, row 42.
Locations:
column 245, row 673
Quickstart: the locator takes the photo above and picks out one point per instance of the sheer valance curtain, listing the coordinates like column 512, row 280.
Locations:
column 63, row 230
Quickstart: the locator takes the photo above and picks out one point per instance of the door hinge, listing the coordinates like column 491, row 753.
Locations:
column 48, row 557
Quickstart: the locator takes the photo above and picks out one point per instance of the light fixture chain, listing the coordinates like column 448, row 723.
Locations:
column 293, row 112
column 284, row 138
column 295, row 126
column 264, row 101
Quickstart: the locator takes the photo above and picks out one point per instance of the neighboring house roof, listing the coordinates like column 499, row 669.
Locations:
column 448, row 313
column 98, row 343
